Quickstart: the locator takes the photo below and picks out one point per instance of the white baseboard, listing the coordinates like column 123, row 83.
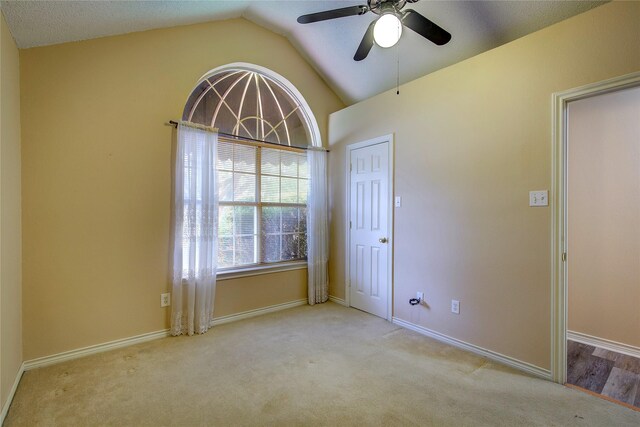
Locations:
column 93, row 349
column 257, row 312
column 125, row 342
column 506, row 360
column 12, row 392
column 605, row 344
column 337, row 300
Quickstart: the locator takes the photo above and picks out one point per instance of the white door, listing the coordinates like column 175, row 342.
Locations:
column 369, row 246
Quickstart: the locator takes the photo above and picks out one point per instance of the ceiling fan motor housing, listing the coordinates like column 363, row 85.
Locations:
column 381, row 7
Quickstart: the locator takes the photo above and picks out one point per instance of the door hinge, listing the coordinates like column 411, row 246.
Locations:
column 349, row 224
column 350, row 167
column 564, row 256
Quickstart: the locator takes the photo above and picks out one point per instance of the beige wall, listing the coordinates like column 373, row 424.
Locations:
column 247, row 293
column 471, row 141
column 96, row 176
column 604, row 216
column 10, row 234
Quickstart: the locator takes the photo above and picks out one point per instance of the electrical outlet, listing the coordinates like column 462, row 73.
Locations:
column 455, row 306
column 165, row 299
column 420, row 296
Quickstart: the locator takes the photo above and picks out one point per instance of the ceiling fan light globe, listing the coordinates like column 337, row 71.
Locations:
column 387, row 30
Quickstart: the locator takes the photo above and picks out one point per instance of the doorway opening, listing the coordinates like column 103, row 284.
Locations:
column 596, row 239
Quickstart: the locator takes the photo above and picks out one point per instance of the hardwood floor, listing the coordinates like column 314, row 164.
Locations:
column 604, row 372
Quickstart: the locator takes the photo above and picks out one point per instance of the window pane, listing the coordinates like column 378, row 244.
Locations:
column 290, row 246
column 225, row 186
column 244, row 158
column 270, row 188
column 303, row 190
column 303, row 221
column 225, row 259
column 225, row 221
column 245, row 220
column 289, row 188
column 244, row 187
column 289, row 220
column 237, row 236
column 303, row 246
column 271, row 248
column 270, row 220
column 225, row 252
column 303, row 168
column 245, row 250
column 225, row 156
column 270, row 161
column 289, row 163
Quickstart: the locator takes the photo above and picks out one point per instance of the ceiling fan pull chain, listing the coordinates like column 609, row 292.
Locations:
column 398, row 69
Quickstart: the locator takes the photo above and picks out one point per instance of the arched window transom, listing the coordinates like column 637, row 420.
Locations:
column 249, row 104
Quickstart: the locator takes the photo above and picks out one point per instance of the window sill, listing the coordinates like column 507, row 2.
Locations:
column 260, row 269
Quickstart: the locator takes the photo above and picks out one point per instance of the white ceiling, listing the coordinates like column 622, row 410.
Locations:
column 329, row 46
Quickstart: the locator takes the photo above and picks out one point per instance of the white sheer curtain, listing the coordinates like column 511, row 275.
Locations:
column 195, row 230
column 318, row 227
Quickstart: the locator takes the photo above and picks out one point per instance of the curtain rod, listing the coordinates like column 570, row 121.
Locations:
column 228, row 135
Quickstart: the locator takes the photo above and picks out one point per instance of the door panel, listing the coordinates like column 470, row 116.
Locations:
column 368, row 248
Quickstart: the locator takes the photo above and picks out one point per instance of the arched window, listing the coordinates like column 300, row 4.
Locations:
column 252, row 102
column 264, row 126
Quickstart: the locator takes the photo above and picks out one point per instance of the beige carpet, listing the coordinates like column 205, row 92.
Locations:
column 321, row 365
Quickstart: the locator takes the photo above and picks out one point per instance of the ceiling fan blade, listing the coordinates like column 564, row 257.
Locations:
column 366, row 44
column 425, row 28
column 332, row 14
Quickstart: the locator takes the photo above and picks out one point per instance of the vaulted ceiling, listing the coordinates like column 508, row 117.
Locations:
column 329, row 46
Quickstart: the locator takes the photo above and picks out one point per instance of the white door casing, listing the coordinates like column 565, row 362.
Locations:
column 369, row 226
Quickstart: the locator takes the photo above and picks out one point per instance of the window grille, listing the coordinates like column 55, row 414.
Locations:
column 250, row 105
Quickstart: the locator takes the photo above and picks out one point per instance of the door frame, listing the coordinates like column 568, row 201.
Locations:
column 389, row 140
column 559, row 244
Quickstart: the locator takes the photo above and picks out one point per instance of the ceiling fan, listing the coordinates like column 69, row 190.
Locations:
column 386, row 30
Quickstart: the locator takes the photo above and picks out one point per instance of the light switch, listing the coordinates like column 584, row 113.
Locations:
column 398, row 201
column 539, row 198
column 455, row 306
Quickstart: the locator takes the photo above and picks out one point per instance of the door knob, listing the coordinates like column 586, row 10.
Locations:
column 383, row 240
